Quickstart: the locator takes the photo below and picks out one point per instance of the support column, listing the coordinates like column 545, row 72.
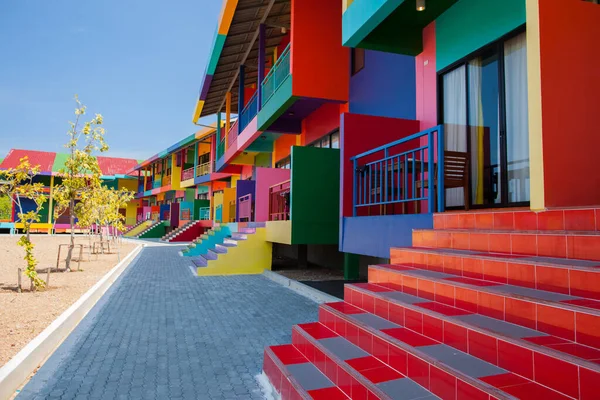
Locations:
column 351, row 266
column 196, row 159
column 227, row 115
column 241, row 99
column 261, row 62
column 50, row 212
column 302, row 256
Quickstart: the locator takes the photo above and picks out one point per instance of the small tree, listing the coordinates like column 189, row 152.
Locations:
column 81, row 171
column 17, row 184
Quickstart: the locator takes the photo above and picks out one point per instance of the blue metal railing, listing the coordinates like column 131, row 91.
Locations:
column 204, row 213
column 402, row 175
column 249, row 112
column 276, row 76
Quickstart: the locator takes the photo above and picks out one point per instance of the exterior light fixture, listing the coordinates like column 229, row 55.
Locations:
column 283, row 30
column 420, row 5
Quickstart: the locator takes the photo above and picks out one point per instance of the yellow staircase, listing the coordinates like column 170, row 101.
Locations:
column 139, row 229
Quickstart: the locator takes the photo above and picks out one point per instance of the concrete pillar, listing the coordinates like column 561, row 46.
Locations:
column 262, row 41
column 351, row 266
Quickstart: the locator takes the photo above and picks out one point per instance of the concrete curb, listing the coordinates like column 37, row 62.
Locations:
column 311, row 293
column 18, row 368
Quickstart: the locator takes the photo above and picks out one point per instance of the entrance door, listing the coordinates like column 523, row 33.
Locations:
column 485, row 115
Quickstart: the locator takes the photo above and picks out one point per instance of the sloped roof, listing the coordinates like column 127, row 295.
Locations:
column 44, row 159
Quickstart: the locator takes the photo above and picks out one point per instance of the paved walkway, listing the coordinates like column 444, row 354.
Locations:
column 162, row 333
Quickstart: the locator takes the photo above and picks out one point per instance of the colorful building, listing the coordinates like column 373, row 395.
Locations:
column 435, row 135
column 114, row 175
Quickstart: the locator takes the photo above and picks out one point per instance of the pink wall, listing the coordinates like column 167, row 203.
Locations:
column 426, row 80
column 265, row 178
column 360, row 133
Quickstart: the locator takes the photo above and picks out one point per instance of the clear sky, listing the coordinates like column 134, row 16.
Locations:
column 139, row 63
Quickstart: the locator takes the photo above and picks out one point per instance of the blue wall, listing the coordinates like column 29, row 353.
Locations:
column 385, row 87
column 374, row 236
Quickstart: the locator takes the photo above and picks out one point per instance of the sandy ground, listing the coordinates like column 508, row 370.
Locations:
column 24, row 315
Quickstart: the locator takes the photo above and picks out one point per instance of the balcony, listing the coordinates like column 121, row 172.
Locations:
column 279, row 201
column 149, row 185
column 166, row 181
column 187, row 174
column 249, row 112
column 233, row 133
column 157, row 184
column 203, row 169
column 276, row 76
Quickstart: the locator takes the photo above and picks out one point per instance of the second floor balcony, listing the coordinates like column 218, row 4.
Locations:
column 204, row 169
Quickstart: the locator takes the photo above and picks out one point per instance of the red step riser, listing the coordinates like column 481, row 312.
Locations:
column 576, row 282
column 279, row 380
column 556, row 220
column 545, row 245
column 344, row 380
column 504, row 354
column 576, row 326
column 404, row 362
column 188, row 235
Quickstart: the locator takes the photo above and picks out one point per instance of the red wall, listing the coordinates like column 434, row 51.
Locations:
column 570, row 74
column 322, row 121
column 319, row 62
column 360, row 133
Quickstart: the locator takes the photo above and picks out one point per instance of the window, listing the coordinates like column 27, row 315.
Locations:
column 284, row 163
column 329, row 141
column 357, row 60
column 203, row 196
column 335, row 140
column 592, row 1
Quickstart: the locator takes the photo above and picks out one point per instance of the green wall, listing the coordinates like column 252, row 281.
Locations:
column 315, row 195
column 471, row 24
column 199, row 204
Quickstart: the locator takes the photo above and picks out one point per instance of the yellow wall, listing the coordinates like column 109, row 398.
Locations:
column 175, row 173
column 228, row 196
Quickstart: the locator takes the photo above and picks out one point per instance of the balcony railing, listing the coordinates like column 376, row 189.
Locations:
column 245, row 208
column 249, row 112
column 157, row 184
column 221, row 148
column 279, row 202
column 233, row 134
column 204, row 213
column 187, row 174
column 166, row 180
column 399, row 173
column 276, row 76
column 203, row 169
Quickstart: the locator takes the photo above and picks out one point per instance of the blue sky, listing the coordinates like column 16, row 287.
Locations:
column 138, row 63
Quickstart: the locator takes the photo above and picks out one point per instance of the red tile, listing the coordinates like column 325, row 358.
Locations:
column 352, row 333
column 577, row 350
column 546, row 340
column 409, row 285
column 556, row 374
column 340, row 326
column 398, row 359
column 345, row 308
column 552, row 245
column 524, row 244
column 442, row 383
column 515, row 358
column 418, row 371
column 473, row 268
column 439, row 221
column 588, row 329
column 466, row 299
column 552, row 279
column 381, row 308
column 526, row 221
column 368, row 303
column 589, row 382
column 452, row 221
column 444, row 293
column 331, row 369
column 413, row 320
column 472, row 281
column 455, row 336
column 401, row 256
column 491, row 305
column 317, row 330
column 432, row 328
column 393, row 286
column 332, row 393
column 443, row 240
column 344, row 381
column 372, row 288
column 479, row 241
column 365, row 340
column 435, row 262
column 521, row 274
column 426, row 289
column 460, row 241
column 556, row 321
column 483, row 346
column 585, row 283
column 381, row 349
column 495, row 271
column 584, row 247
column 464, row 391
column 588, row 303
column 580, row 220
column 551, row 221
column 288, row 354
column 381, row 374
column 396, row 314
column 534, row 391
column 443, row 309
column 358, row 390
column 504, row 221
column 504, row 380
column 466, row 221
column 500, row 243
column 453, row 265
column 520, row 312
column 484, row 220
column 409, row 337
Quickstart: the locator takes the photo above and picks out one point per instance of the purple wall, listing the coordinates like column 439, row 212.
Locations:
column 385, row 87
column 174, row 214
column 265, row 178
column 243, row 188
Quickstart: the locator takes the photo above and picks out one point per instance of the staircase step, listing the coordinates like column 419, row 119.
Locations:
column 506, row 345
column 200, row 261
column 569, row 317
column 572, row 245
column 436, row 366
column 220, row 249
column 239, row 236
column 577, row 219
column 567, row 276
column 211, row 255
column 247, row 230
column 294, row 377
column 356, row 372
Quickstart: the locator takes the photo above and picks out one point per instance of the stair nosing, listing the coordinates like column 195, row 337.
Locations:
column 512, row 231
column 283, row 368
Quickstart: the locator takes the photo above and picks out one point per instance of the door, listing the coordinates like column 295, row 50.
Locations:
column 484, row 110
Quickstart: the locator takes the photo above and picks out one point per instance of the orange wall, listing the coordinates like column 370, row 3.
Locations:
column 319, row 62
column 281, row 146
column 570, row 59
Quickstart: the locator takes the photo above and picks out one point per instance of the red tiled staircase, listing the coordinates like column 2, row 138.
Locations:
column 487, row 305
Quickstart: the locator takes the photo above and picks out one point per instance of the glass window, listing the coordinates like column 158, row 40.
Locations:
column 357, row 60
column 335, row 140
column 325, row 142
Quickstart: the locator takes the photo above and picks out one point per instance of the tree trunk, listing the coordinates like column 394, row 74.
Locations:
column 72, row 242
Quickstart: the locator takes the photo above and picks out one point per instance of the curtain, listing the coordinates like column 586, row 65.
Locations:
column 455, row 123
column 476, row 129
column 517, row 122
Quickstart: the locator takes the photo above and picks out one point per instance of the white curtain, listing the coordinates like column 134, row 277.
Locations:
column 517, row 128
column 455, row 123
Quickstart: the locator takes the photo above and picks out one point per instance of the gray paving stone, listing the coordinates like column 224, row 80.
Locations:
column 162, row 333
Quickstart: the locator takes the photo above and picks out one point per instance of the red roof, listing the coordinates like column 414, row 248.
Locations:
column 116, row 166
column 44, row 159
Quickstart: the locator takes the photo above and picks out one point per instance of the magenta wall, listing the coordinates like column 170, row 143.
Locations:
column 426, row 80
column 265, row 178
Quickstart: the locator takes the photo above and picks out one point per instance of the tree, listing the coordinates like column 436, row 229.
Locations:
column 17, row 184
column 101, row 207
column 81, row 172
column 5, row 208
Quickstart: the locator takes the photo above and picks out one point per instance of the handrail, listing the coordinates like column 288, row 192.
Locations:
column 401, row 176
column 279, row 203
column 187, row 174
column 249, row 112
column 233, row 133
column 203, row 169
column 275, row 78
